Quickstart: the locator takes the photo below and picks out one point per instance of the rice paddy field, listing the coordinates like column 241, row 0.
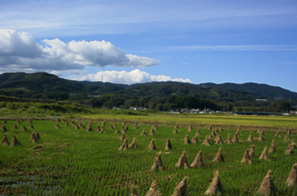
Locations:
column 69, row 159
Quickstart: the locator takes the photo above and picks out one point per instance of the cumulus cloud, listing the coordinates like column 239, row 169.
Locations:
column 19, row 51
column 18, row 44
column 132, row 77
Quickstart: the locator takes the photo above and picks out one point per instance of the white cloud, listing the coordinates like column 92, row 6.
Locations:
column 132, row 77
column 18, row 44
column 19, row 51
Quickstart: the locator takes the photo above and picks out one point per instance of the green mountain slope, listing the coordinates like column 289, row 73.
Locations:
column 154, row 95
column 48, row 86
column 264, row 90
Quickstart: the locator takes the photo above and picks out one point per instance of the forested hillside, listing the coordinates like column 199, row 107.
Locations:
column 162, row 96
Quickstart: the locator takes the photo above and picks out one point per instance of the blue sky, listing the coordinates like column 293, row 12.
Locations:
column 141, row 41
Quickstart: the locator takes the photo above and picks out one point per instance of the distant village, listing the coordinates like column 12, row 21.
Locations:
column 209, row 111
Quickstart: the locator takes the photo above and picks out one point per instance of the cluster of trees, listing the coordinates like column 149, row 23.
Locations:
column 154, row 103
column 281, row 106
column 180, row 102
column 172, row 102
column 31, row 107
column 48, row 95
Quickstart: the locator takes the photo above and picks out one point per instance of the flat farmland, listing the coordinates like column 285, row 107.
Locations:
column 81, row 156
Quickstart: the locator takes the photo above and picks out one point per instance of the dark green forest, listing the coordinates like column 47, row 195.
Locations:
column 160, row 96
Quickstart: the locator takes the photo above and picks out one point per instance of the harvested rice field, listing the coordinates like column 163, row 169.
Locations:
column 95, row 157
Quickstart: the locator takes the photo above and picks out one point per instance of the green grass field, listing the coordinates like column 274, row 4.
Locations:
column 76, row 162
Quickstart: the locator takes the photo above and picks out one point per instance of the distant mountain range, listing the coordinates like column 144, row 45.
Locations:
column 272, row 92
column 43, row 82
column 50, row 87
